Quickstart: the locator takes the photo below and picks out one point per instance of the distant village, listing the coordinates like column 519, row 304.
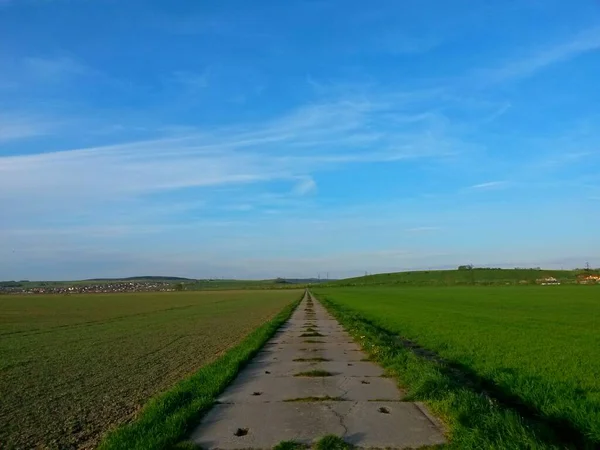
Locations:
column 98, row 288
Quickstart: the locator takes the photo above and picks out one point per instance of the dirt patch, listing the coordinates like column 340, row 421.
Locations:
column 241, row 432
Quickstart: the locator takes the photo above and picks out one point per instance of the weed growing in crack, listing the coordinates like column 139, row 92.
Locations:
column 324, row 398
column 312, row 334
column 311, row 360
column 314, row 373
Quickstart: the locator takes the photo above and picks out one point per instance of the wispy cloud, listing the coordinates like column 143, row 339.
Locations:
column 18, row 126
column 305, row 186
column 490, row 185
column 502, row 109
column 292, row 147
column 192, row 82
column 55, row 69
column 396, row 42
column 584, row 42
column 21, row 75
column 422, row 229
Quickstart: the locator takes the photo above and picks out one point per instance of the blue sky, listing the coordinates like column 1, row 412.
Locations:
column 269, row 138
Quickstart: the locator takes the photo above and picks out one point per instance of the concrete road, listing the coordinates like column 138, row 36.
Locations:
column 301, row 387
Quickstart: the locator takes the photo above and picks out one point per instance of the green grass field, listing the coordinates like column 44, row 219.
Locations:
column 72, row 367
column 532, row 351
column 460, row 277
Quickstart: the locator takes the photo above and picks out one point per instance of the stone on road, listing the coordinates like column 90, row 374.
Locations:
column 311, row 380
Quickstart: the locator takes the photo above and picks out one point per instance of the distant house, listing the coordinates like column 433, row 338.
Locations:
column 589, row 279
column 548, row 281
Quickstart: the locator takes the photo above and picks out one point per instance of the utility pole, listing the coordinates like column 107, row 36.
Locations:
column 587, row 266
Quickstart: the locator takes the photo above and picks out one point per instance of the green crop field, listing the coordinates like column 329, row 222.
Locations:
column 72, row 367
column 532, row 351
column 476, row 276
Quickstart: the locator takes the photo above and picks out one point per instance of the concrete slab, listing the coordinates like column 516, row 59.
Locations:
column 255, row 411
column 343, row 346
column 288, row 354
column 343, row 354
column 267, row 425
column 289, row 368
column 297, row 338
column 359, row 423
column 249, row 388
column 403, row 425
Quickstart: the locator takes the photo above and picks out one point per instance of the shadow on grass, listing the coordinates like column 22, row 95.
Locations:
column 551, row 429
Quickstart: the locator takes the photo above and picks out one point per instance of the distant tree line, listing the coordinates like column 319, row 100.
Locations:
column 11, row 283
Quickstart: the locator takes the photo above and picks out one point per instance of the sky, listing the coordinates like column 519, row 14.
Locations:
column 297, row 139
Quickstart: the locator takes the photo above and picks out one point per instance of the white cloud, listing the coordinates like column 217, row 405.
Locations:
column 103, row 194
column 422, row 229
column 313, row 138
column 14, row 127
column 54, row 69
column 490, row 185
column 305, row 186
column 584, row 42
column 20, row 76
column 503, row 109
column 192, row 82
column 398, row 43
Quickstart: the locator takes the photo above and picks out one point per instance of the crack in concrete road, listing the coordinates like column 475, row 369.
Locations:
column 340, row 417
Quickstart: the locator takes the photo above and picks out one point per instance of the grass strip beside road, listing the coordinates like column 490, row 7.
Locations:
column 474, row 420
column 168, row 417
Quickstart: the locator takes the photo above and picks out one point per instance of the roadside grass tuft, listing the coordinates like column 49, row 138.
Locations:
column 290, row 445
column 314, row 373
column 332, row 442
column 169, row 416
